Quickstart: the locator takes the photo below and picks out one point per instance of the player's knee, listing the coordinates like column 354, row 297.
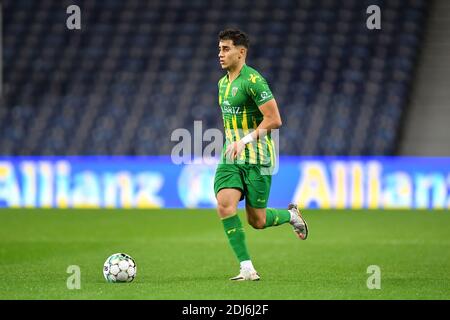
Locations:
column 225, row 209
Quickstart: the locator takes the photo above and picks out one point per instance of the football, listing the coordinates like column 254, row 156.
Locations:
column 119, row 267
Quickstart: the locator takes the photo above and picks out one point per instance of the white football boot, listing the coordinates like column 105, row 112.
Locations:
column 247, row 274
column 297, row 221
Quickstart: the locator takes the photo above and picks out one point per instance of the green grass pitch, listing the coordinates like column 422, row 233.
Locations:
column 184, row 254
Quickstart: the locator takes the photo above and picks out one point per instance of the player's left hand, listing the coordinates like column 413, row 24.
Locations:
column 235, row 149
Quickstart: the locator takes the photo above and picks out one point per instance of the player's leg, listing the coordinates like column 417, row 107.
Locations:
column 258, row 215
column 227, row 201
column 258, row 190
column 228, row 188
column 261, row 218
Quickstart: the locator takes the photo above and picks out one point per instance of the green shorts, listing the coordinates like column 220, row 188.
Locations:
column 255, row 187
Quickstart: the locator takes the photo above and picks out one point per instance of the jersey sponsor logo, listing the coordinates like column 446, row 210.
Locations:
column 264, row 95
column 227, row 108
column 231, row 231
column 234, row 91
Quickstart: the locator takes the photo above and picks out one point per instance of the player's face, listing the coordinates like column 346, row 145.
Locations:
column 229, row 54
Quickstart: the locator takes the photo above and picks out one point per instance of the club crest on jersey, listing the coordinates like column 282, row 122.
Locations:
column 234, row 91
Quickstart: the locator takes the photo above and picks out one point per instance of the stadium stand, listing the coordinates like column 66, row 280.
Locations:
column 137, row 70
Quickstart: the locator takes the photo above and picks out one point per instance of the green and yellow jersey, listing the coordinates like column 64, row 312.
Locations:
column 239, row 101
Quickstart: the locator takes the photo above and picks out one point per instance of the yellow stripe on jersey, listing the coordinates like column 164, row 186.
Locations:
column 261, row 152
column 251, row 151
column 235, row 127
column 271, row 150
column 228, row 131
column 259, row 146
column 227, row 90
column 233, row 120
column 236, row 133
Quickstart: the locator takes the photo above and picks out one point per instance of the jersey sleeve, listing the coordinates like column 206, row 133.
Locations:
column 258, row 89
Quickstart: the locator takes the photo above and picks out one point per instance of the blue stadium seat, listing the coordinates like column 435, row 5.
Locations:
column 140, row 69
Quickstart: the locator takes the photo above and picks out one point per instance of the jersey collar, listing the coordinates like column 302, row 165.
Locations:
column 239, row 74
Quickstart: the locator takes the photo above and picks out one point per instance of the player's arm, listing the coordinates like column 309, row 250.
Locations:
column 258, row 89
column 271, row 120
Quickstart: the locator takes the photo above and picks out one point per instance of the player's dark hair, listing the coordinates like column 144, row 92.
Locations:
column 238, row 37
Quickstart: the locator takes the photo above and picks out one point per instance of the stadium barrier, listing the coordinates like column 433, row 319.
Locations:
column 156, row 182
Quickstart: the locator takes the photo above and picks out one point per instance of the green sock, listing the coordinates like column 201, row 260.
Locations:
column 275, row 217
column 236, row 236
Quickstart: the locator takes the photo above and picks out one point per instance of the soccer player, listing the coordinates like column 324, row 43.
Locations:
column 249, row 113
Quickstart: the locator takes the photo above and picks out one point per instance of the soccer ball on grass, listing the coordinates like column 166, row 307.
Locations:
column 119, row 267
